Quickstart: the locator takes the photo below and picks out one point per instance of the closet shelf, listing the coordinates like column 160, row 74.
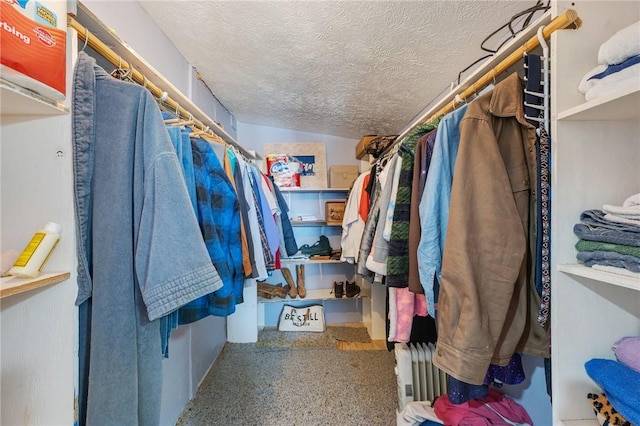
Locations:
column 13, row 285
column 619, row 105
column 17, row 100
column 315, row 295
column 602, row 276
column 584, row 422
column 313, row 223
column 308, row 261
column 296, row 189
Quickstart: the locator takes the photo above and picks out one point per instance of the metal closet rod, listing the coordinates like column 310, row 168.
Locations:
column 569, row 18
column 105, row 51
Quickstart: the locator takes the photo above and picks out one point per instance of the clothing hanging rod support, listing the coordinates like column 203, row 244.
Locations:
column 116, row 60
column 568, row 19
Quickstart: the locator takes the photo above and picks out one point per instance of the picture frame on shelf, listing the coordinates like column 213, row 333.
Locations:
column 312, row 157
column 334, row 211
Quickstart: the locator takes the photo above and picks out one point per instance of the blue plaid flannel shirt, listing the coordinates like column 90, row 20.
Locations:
column 219, row 217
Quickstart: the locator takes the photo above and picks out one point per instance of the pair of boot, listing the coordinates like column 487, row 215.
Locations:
column 322, row 247
column 350, row 289
column 269, row 291
column 296, row 288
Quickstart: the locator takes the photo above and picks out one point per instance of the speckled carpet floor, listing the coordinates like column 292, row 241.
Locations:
column 281, row 381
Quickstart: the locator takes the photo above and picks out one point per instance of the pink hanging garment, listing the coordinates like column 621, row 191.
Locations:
column 494, row 410
column 405, row 307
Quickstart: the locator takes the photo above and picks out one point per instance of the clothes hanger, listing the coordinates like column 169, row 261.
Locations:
column 176, row 113
column 212, row 138
column 86, row 39
column 199, row 132
column 118, row 72
column 129, row 74
column 541, row 102
column 180, row 121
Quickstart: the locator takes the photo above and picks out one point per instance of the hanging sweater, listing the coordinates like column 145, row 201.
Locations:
column 398, row 261
column 424, row 151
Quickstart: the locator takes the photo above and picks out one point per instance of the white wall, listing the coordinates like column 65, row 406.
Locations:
column 339, row 150
column 38, row 328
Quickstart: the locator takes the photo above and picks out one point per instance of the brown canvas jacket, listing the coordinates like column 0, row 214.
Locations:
column 487, row 306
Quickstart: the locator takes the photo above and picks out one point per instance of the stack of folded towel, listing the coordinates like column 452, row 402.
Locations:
column 619, row 403
column 610, row 238
column 618, row 65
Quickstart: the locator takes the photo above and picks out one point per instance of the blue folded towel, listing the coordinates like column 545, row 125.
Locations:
column 620, row 383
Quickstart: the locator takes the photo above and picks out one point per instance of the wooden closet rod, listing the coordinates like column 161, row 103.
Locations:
column 218, row 134
column 569, row 19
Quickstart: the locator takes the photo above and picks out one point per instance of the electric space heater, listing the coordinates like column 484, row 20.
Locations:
column 418, row 377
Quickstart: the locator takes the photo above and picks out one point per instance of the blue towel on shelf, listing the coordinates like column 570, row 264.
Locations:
column 620, row 383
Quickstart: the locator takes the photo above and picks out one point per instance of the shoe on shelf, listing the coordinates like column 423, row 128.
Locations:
column 338, row 289
column 291, row 285
column 264, row 294
column 302, row 290
column 352, row 289
column 320, row 248
column 276, row 290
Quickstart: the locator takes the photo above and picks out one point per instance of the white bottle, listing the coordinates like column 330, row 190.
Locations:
column 37, row 252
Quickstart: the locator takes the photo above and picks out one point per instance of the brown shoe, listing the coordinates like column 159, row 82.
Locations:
column 264, row 294
column 273, row 290
column 288, row 277
column 302, row 291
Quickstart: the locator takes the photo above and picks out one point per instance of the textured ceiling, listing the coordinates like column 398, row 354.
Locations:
column 345, row 68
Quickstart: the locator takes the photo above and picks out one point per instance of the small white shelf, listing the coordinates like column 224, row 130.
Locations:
column 619, row 105
column 602, row 276
column 584, row 422
column 314, row 189
column 309, row 261
column 13, row 285
column 316, row 295
column 16, row 100
column 313, row 223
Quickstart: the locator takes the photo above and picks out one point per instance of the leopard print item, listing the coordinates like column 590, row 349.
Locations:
column 605, row 410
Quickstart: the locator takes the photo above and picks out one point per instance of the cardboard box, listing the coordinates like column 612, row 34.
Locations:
column 363, row 144
column 342, row 176
column 34, row 37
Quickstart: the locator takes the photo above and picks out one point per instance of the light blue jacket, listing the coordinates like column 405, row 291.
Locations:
column 140, row 250
column 434, row 204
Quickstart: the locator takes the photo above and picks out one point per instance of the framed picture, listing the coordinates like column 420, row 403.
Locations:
column 334, row 212
column 311, row 156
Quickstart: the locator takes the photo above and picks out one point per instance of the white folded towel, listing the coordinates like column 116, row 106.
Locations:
column 619, row 219
column 634, row 200
column 631, row 212
column 627, row 78
column 585, row 83
column 622, row 45
column 630, row 208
